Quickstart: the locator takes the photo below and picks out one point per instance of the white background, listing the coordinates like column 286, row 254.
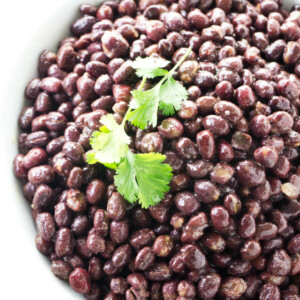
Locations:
column 26, row 28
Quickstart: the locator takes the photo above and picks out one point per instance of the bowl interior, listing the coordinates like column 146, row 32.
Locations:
column 28, row 272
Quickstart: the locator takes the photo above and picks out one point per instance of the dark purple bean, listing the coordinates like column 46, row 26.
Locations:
column 199, row 168
column 193, row 257
column 219, row 217
column 80, row 281
column 269, row 290
column 170, row 128
column 194, row 228
column 37, row 139
column 46, row 59
column 116, row 206
column 159, row 213
column 206, row 144
column 62, row 215
column 245, row 96
column 83, row 25
column 206, row 191
column 76, row 200
column 140, row 217
column 151, row 142
column 32, row 89
column 95, row 243
column 233, row 287
column 64, row 242
column 266, row 231
column 224, row 90
column 45, row 247
column 205, row 104
column 238, row 267
column 85, row 87
column 119, row 231
column 249, row 174
column 217, row 125
column 187, row 203
column 159, row 272
column 45, row 226
column 41, row 174
column 80, row 225
column 247, row 226
column 114, row 44
column 144, row 258
column 26, row 117
column 209, row 286
column 103, row 85
column 73, row 151
column 293, row 245
column 61, row 269
column 228, row 111
column 141, row 238
column 205, row 80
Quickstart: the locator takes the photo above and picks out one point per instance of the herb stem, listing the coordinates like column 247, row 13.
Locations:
column 130, row 109
column 182, row 59
column 170, row 73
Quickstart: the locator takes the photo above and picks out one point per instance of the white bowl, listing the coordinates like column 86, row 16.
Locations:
column 28, row 27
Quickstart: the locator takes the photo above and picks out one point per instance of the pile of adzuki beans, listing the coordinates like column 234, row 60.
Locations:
column 230, row 226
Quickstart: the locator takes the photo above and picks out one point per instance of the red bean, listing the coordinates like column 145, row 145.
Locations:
column 187, row 203
column 64, row 242
column 219, row 216
column 247, row 226
column 206, row 191
column 119, row 231
column 45, row 226
column 194, row 228
column 249, row 174
column 233, row 287
column 61, row 269
column 206, row 144
column 80, row 281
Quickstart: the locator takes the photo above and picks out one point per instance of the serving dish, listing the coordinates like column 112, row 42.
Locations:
column 27, row 272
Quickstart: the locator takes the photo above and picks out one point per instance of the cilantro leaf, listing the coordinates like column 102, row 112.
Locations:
column 150, row 67
column 143, row 177
column 145, row 105
column 171, row 95
column 166, row 96
column 110, row 143
column 151, row 73
column 90, row 158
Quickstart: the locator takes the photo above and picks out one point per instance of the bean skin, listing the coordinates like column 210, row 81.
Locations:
column 41, row 174
column 80, row 281
column 206, row 144
column 45, row 225
column 64, row 242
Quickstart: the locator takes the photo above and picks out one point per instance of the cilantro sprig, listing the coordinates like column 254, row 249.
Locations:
column 167, row 95
column 142, row 178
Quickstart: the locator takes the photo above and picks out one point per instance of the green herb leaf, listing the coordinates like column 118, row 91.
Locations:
column 110, row 143
column 145, row 106
column 150, row 67
column 143, row 177
column 90, row 158
column 171, row 95
column 167, row 97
